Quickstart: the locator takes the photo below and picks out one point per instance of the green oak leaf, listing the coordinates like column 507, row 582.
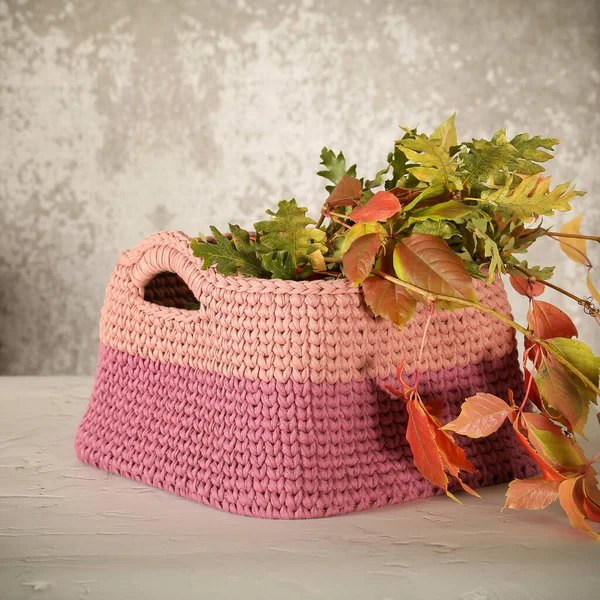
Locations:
column 541, row 273
column 529, row 153
column 433, row 162
column 484, row 159
column 280, row 264
column 231, row 257
column 335, row 168
column 531, row 198
column 287, row 231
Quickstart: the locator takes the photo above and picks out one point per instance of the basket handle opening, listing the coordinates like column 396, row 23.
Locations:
column 165, row 270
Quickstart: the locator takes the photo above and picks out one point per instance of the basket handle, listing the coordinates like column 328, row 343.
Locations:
column 163, row 251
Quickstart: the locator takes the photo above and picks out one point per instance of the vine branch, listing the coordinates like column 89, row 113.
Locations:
column 433, row 297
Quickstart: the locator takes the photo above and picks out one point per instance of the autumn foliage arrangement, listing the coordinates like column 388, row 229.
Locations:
column 439, row 214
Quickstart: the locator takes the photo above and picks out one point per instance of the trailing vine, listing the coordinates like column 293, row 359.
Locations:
column 439, row 214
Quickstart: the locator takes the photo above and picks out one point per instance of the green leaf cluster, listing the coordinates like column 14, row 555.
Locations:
column 282, row 247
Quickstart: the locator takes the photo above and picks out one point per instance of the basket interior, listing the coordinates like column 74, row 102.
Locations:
column 168, row 289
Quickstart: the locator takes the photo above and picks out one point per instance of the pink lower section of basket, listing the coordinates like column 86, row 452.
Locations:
column 275, row 450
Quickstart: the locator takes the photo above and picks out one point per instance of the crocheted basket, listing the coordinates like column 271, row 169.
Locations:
column 269, row 399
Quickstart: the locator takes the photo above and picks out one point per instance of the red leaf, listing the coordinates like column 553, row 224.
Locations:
column 420, row 434
column 435, row 407
column 388, row 300
column 570, row 494
column 480, row 416
column 547, row 321
column 346, row 193
column 359, row 259
column 380, row 207
column 429, row 263
column 532, row 494
column 534, row 394
column 525, row 287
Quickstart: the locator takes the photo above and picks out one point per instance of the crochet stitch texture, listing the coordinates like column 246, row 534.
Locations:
column 269, row 400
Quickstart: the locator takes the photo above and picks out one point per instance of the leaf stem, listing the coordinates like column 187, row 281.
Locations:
column 586, row 304
column 432, row 297
column 418, row 369
column 594, row 238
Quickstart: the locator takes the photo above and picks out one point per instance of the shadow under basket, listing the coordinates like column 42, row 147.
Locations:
column 266, row 397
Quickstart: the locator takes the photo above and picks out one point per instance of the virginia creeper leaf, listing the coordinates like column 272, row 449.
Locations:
column 532, row 494
column 480, row 416
column 570, row 494
column 557, row 448
column 388, row 300
column 574, row 248
column 428, row 262
column 580, row 355
column 526, row 287
column 548, row 471
column 359, row 259
column 346, row 193
column 548, row 321
column 562, row 393
column 420, row 434
column 360, row 229
column 450, row 210
column 380, row 207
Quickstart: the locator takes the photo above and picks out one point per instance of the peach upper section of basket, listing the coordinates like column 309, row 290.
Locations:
column 263, row 329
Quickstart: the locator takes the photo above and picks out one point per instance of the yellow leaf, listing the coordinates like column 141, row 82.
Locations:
column 592, row 288
column 574, row 248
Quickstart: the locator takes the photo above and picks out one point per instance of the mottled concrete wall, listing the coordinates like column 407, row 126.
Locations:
column 118, row 118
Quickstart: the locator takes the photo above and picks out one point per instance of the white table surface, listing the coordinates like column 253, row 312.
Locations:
column 68, row 531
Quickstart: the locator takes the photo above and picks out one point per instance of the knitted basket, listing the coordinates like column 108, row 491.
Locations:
column 269, row 400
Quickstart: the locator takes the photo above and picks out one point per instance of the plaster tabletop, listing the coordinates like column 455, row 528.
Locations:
column 68, row 531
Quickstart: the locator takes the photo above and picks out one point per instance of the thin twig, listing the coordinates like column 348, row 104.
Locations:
column 586, row 304
column 432, row 297
column 594, row 238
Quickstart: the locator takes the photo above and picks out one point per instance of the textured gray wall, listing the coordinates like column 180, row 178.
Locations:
column 118, row 118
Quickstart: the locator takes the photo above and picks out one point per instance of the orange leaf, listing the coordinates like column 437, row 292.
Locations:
column 346, row 193
column 547, row 321
column 420, row 434
column 574, row 248
column 428, row 262
column 570, row 494
column 380, row 207
column 526, row 287
column 388, row 300
column 480, row 416
column 532, row 494
column 359, row 259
